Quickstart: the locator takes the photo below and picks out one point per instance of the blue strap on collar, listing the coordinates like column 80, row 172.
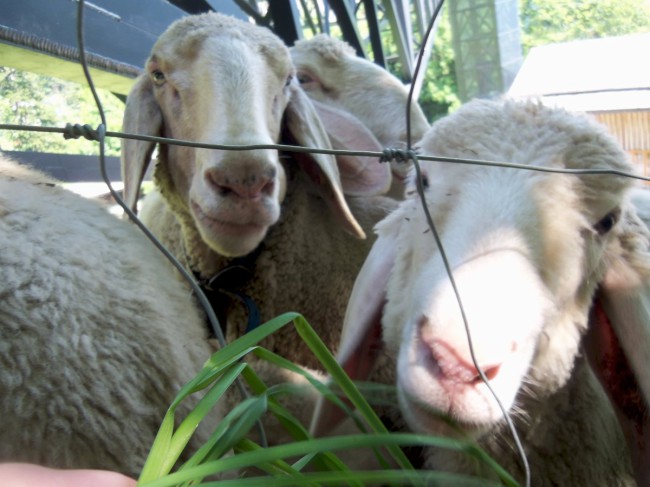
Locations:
column 225, row 285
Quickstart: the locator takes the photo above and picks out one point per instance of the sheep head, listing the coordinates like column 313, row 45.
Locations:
column 330, row 72
column 527, row 251
column 214, row 79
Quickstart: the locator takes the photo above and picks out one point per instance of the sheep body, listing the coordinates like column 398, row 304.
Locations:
column 527, row 250
column 285, row 220
column 97, row 334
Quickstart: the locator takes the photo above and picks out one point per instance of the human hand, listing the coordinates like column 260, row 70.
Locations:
column 30, row 475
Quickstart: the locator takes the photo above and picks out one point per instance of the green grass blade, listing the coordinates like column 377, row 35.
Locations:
column 169, row 445
column 207, row 403
column 216, row 446
column 346, row 385
column 323, row 461
column 153, row 467
column 381, row 477
column 278, row 466
column 261, row 456
column 256, row 407
column 230, row 435
column 212, row 369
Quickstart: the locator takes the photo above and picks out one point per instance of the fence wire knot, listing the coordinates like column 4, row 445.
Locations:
column 390, row 154
column 75, row 131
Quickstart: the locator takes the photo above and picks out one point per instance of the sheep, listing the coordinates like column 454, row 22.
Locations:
column 338, row 80
column 97, row 333
column 641, row 199
column 270, row 233
column 530, row 253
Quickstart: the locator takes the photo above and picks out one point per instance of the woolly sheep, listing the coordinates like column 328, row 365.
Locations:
column 97, row 334
column 640, row 197
column 331, row 73
column 528, row 251
column 213, row 79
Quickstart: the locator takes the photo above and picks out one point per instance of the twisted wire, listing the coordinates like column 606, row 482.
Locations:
column 445, row 261
column 386, row 155
column 99, row 134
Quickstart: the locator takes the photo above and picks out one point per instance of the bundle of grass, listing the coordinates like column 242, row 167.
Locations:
column 231, row 454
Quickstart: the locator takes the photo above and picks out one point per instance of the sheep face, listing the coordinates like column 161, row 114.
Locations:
column 217, row 80
column 330, row 71
column 219, row 89
column 526, row 250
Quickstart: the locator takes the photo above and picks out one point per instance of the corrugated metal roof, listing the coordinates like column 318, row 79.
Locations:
column 604, row 74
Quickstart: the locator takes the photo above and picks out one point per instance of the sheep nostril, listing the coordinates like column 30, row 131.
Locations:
column 248, row 187
column 449, row 365
column 490, row 373
column 266, row 187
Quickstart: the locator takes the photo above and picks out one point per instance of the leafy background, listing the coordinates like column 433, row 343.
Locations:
column 31, row 99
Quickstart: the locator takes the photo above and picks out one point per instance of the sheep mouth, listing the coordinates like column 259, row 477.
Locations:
column 435, row 403
column 232, row 227
column 428, row 419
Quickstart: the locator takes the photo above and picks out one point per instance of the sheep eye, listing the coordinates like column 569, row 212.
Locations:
column 158, row 77
column 607, row 222
column 289, row 80
column 304, row 78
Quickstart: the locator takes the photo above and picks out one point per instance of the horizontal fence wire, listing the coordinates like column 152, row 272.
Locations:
column 76, row 131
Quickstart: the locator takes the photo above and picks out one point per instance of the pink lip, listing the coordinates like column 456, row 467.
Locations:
column 221, row 226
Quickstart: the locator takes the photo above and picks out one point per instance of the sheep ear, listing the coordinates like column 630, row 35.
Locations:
column 306, row 128
column 360, row 176
column 618, row 342
column 361, row 337
column 141, row 116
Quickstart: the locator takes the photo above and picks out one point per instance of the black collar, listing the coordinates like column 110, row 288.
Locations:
column 225, row 287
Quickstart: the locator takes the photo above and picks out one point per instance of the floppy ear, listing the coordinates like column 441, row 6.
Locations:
column 361, row 337
column 141, row 116
column 360, row 175
column 305, row 127
column 618, row 341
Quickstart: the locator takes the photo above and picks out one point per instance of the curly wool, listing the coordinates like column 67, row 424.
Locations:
column 97, row 333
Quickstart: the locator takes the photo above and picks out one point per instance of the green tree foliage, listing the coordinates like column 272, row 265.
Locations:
column 439, row 94
column 551, row 21
column 542, row 22
column 32, row 99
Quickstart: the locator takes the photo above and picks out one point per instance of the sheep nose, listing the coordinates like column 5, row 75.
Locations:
column 452, row 367
column 248, row 185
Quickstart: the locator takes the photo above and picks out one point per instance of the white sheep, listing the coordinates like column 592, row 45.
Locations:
column 331, row 73
column 528, row 252
column 97, row 334
column 214, row 79
column 640, row 197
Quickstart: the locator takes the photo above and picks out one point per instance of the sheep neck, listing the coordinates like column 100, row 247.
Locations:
column 225, row 286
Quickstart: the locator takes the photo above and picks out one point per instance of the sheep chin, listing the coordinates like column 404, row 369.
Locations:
column 454, row 416
column 231, row 236
column 422, row 418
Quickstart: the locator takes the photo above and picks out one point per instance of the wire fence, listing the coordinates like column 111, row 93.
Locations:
column 100, row 133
